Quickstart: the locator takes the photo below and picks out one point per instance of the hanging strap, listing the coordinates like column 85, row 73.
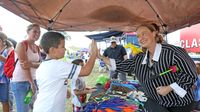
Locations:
column 3, row 51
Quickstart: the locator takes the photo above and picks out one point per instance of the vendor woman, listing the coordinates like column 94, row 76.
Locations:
column 166, row 91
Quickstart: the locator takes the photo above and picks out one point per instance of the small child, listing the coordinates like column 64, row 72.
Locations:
column 102, row 66
column 52, row 73
column 197, row 90
column 79, row 90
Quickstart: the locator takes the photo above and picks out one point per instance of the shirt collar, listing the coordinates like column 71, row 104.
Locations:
column 156, row 54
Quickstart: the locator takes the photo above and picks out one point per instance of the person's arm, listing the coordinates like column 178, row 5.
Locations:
column 86, row 70
column 124, row 53
column 164, row 90
column 34, row 64
column 68, row 93
column 85, row 91
column 105, row 59
column 186, row 77
column 124, row 66
column 22, row 56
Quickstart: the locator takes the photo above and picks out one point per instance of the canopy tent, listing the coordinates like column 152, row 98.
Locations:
column 101, row 36
column 106, row 15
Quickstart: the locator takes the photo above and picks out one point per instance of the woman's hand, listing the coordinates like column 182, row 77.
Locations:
column 163, row 90
column 105, row 59
column 33, row 88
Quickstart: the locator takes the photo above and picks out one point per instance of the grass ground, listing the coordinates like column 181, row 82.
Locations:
column 90, row 81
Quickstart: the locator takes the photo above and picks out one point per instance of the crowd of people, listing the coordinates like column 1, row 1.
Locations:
column 78, row 55
column 176, row 91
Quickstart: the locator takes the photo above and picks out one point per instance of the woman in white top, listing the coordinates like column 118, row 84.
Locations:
column 27, row 52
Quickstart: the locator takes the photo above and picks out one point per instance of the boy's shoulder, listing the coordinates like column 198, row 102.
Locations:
column 53, row 63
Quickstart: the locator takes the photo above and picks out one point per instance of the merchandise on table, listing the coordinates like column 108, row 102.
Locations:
column 119, row 97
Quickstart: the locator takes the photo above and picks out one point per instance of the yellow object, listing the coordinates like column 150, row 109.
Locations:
column 135, row 50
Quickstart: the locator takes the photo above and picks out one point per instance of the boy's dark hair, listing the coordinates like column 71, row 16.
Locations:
column 50, row 39
column 77, row 61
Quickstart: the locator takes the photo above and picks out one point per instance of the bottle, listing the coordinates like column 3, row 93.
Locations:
column 28, row 97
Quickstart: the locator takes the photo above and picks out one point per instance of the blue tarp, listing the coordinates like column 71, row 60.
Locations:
column 101, row 36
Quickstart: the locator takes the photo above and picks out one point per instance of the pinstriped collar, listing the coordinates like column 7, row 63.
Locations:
column 156, row 54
